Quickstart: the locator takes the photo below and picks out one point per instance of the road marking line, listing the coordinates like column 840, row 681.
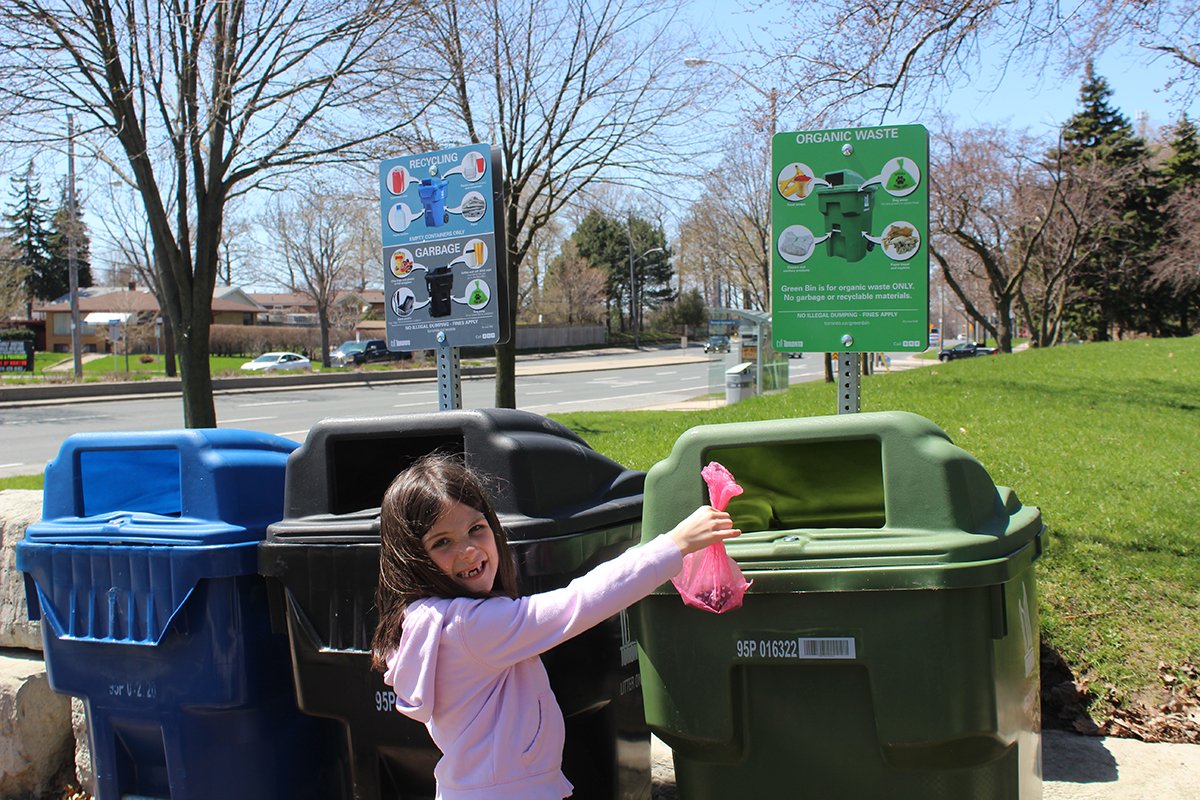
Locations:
column 243, row 419
column 411, row 405
column 603, row 399
column 271, row 403
column 14, row 464
column 550, row 391
column 293, row 433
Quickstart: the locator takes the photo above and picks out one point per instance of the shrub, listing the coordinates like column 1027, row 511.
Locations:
column 252, row 340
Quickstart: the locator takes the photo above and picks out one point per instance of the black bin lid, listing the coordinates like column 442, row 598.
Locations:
column 547, row 482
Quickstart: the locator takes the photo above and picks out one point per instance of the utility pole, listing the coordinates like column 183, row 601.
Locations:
column 637, row 345
column 72, row 256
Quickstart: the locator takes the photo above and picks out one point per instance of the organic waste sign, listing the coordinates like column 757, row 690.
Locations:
column 849, row 236
column 444, row 262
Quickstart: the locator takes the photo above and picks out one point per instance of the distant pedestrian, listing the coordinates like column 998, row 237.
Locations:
column 462, row 650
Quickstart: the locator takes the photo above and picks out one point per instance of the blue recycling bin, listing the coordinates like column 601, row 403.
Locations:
column 433, row 199
column 144, row 572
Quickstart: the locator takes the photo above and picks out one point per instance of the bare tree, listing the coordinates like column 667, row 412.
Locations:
column 1075, row 199
column 203, row 101
column 727, row 231
column 1175, row 263
column 858, row 60
column 13, row 274
column 575, row 290
column 127, row 234
column 980, row 232
column 314, row 237
column 573, row 92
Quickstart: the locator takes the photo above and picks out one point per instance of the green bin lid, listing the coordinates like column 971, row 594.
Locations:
column 854, row 502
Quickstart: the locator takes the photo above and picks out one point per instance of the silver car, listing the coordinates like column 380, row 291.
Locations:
column 277, row 362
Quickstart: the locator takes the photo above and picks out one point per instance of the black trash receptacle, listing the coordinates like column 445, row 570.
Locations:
column 565, row 508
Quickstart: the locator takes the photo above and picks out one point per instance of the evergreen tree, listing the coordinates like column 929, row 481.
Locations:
column 1115, row 291
column 605, row 241
column 59, row 246
column 1181, row 168
column 28, row 232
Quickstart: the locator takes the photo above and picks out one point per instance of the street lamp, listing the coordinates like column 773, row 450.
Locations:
column 634, row 306
column 770, row 95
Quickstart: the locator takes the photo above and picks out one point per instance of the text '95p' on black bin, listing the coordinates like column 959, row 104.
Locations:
column 888, row 646
column 144, row 574
column 565, row 509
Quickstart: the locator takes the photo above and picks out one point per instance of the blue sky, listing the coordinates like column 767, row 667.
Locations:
column 1022, row 99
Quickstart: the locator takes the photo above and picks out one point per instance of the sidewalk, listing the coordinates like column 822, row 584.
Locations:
column 1073, row 768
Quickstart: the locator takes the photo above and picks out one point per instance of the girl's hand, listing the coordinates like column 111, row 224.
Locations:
column 703, row 527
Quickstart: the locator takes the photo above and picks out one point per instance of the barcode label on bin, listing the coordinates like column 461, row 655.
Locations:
column 795, row 647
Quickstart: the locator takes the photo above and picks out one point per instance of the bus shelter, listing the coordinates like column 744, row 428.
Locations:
column 750, row 342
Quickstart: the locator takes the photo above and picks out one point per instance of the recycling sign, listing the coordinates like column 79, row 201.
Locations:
column 850, row 239
column 444, row 263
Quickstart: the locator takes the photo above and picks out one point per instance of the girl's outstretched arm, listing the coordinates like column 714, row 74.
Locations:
column 703, row 527
column 500, row 631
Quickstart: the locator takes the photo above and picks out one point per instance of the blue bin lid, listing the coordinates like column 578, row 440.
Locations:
column 194, row 487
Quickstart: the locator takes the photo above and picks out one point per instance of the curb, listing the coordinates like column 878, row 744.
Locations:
column 52, row 394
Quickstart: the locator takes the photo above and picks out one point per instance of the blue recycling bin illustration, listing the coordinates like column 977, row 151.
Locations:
column 433, row 198
column 143, row 571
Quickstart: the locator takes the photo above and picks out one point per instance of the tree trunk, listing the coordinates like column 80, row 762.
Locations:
column 169, row 345
column 198, row 408
column 829, row 367
column 323, row 321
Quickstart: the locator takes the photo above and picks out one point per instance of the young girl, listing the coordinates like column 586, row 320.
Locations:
column 461, row 648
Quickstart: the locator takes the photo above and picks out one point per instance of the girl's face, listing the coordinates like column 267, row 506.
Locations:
column 462, row 545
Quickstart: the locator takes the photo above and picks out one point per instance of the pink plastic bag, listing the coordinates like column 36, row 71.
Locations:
column 710, row 580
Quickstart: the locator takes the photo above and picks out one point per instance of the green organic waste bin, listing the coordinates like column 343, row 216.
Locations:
column 888, row 647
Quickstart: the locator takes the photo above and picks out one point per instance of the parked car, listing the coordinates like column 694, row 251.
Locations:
column 363, row 352
column 277, row 362
column 965, row 350
column 717, row 344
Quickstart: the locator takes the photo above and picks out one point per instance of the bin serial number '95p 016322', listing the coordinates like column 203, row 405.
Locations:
column 775, row 646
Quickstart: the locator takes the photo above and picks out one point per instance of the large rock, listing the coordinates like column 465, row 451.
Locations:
column 19, row 508
column 84, row 774
column 37, row 745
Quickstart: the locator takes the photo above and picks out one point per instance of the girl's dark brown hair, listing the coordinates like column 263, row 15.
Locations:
column 411, row 505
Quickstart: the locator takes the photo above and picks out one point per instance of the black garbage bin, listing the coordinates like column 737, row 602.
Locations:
column 565, row 508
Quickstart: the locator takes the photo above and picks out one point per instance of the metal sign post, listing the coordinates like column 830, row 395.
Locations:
column 849, row 371
column 449, row 376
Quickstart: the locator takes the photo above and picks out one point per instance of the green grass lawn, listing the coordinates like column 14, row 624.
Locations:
column 1104, row 438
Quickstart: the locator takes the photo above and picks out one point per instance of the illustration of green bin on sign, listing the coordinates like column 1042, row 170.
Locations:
column 846, row 205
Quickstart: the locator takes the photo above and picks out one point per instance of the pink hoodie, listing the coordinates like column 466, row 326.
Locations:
column 469, row 669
